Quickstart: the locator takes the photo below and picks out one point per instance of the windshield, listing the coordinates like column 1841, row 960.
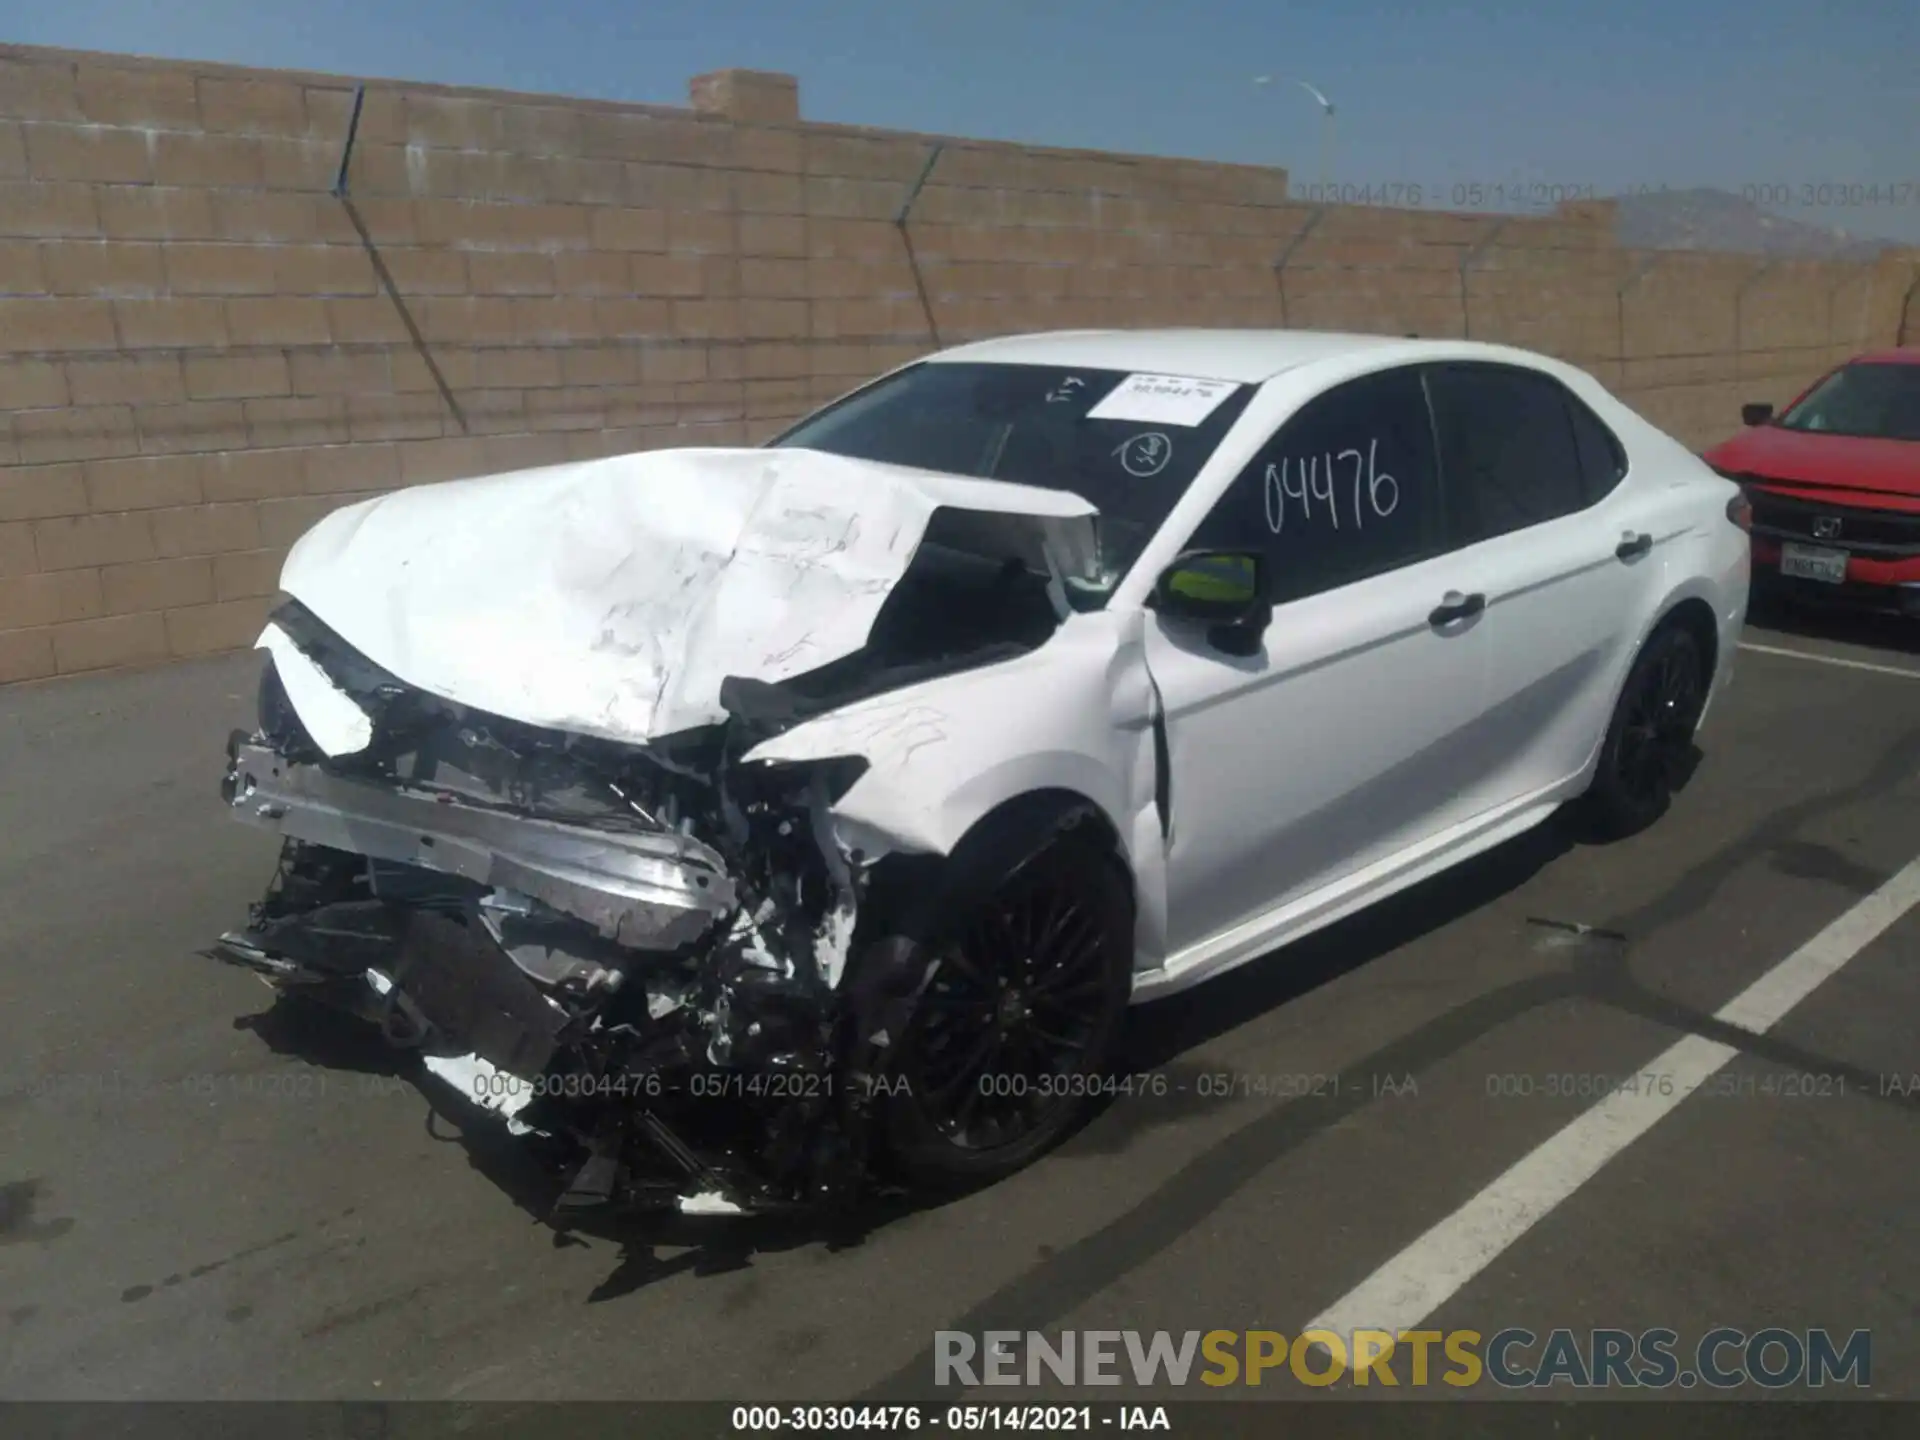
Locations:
column 1129, row 444
column 1878, row 401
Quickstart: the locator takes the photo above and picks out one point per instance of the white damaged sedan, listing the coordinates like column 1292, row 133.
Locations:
column 761, row 825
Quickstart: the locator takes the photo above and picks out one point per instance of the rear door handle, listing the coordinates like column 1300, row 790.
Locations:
column 1632, row 546
column 1455, row 606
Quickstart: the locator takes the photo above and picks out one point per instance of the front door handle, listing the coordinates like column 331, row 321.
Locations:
column 1455, row 606
column 1632, row 546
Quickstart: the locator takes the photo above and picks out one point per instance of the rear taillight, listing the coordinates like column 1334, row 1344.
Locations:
column 1740, row 511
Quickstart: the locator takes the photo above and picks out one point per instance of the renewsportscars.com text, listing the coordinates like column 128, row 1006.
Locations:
column 1723, row 1358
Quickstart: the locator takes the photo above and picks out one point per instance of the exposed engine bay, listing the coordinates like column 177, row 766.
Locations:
column 648, row 953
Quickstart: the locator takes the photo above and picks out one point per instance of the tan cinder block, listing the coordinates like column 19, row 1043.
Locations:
column 509, row 272
column 49, row 209
column 198, row 425
column 591, row 272
column 784, row 235
column 125, row 379
column 205, row 529
column 395, row 417
column 279, row 217
column 164, row 324
column 149, row 212
column 702, row 232
column 539, row 129
column 153, row 585
column 211, row 629
column 44, row 437
column 426, row 272
column 38, row 86
column 280, row 320
column 673, row 275
column 247, row 573
column 339, row 371
column 298, row 164
column 570, row 180
column 25, row 655
column 672, row 364
column 629, row 228
column 17, row 555
column 87, row 152
column 329, row 109
column 252, row 107
column 13, row 151
column 30, row 384
column 101, row 267
column 517, row 367
column 107, row 642
column 348, row 469
column 237, row 376
column 147, row 482
column 373, row 320
column 20, row 272
column 42, row 324
column 210, row 161
column 677, row 188
column 773, row 319
column 785, row 279
column 600, row 365
column 453, row 458
column 34, row 492
column 569, row 409
column 284, row 521
column 79, row 541
column 153, row 98
column 275, row 421
column 251, row 475
column 456, row 366
column 524, row 452
column 768, row 148
column 453, row 122
column 564, row 318
column 751, row 97
column 224, row 269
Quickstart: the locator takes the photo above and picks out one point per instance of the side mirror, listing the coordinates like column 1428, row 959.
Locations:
column 1225, row 590
column 1758, row 413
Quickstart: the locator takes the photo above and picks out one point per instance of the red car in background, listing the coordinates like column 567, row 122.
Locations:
column 1834, row 481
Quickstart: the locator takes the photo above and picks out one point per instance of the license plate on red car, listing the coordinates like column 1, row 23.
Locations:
column 1810, row 562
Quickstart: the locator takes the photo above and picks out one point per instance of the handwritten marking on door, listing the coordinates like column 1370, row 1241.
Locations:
column 1310, row 483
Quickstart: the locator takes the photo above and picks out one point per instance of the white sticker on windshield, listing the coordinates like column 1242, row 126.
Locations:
column 1163, row 399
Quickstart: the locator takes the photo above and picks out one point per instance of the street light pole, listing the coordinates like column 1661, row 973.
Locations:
column 1326, row 126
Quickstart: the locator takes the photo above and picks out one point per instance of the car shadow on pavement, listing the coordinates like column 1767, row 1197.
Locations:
column 1773, row 615
column 1162, row 1033
column 651, row 1246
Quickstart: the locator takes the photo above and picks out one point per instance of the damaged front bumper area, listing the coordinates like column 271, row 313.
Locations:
column 638, row 954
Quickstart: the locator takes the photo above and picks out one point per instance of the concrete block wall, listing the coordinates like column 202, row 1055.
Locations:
column 203, row 348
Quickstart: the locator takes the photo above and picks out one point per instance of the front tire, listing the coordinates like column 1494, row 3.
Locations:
column 1016, row 1022
column 1649, row 743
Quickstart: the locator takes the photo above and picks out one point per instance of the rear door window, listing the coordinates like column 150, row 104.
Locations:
column 1508, row 450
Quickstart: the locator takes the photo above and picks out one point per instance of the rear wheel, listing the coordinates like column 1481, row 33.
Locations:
column 1016, row 1022
column 1649, row 743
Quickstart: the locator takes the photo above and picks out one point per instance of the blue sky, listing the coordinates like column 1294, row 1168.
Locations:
column 1503, row 92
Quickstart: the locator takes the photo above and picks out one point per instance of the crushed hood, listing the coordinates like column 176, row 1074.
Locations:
column 611, row 597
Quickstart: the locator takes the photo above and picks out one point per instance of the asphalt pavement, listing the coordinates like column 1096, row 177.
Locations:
column 199, row 1202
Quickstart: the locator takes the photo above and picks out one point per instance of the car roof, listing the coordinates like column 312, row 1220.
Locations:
column 1247, row 356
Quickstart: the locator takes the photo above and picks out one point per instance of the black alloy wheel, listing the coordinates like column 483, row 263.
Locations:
column 1649, row 745
column 1017, row 1019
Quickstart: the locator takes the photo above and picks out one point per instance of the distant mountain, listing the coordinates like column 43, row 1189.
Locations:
column 1706, row 219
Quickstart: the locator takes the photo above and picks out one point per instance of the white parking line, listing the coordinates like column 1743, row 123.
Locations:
column 1422, row 1277
column 1829, row 660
